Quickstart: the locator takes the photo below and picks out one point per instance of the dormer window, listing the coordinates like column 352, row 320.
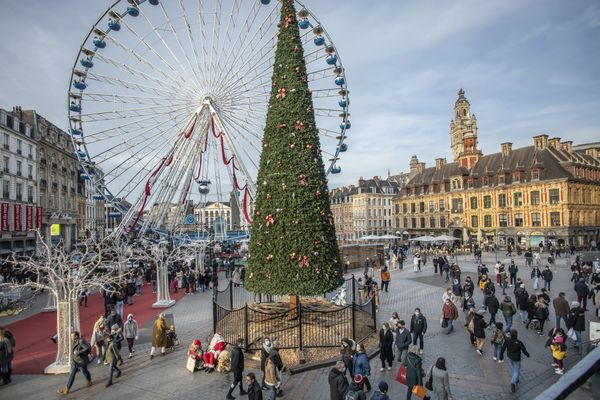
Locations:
column 535, row 174
column 501, row 179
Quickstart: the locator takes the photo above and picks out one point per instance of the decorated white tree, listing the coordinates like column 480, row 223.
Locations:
column 65, row 275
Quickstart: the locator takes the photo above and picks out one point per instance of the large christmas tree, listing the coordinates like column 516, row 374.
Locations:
column 293, row 249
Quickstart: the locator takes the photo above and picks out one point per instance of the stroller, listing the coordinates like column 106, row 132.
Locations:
column 534, row 324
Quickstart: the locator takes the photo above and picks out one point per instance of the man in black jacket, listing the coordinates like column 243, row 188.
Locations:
column 492, row 304
column 79, row 361
column 418, row 327
column 576, row 321
column 403, row 340
column 514, row 347
column 582, row 290
column 338, row 384
column 547, row 275
column 254, row 389
column 237, row 367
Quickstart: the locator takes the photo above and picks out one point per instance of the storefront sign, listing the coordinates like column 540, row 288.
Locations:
column 56, row 215
column 38, row 217
column 55, row 230
column 28, row 218
column 17, row 217
column 4, row 217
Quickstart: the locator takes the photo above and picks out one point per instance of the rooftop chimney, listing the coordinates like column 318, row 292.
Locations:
column 554, row 142
column 439, row 163
column 506, row 148
column 421, row 167
column 540, row 141
column 567, row 145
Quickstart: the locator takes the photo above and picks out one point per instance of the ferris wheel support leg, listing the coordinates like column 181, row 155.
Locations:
column 163, row 298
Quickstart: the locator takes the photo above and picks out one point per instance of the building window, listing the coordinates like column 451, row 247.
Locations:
column 6, row 165
column 518, row 219
column 422, row 207
column 413, row 207
column 554, row 195
column 487, row 221
column 431, row 206
column 413, row 223
column 555, row 219
column 473, row 203
column 19, row 190
column 422, row 221
column 432, row 222
column 501, row 179
column 30, row 194
column 487, row 201
column 6, row 141
column 474, row 221
column 535, row 175
column 397, row 208
column 19, row 168
column 405, row 222
column 457, row 205
column 536, row 219
column 19, row 146
column 518, row 199
column 5, row 189
column 404, row 208
column 442, row 222
column 502, row 200
column 535, row 198
column 502, row 220
column 442, row 205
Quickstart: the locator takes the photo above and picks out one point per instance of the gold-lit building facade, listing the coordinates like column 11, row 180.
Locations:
column 548, row 191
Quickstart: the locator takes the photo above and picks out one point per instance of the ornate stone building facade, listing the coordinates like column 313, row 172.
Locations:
column 364, row 209
column 544, row 192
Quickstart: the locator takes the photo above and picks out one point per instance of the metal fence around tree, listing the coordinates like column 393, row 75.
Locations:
column 307, row 322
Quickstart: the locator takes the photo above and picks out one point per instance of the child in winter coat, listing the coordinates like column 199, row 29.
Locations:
column 559, row 352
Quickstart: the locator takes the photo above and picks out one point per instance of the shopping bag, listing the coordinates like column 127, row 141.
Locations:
column 419, row 391
column 571, row 334
column 401, row 375
column 191, row 364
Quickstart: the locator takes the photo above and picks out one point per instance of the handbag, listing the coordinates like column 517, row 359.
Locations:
column 429, row 382
column 444, row 323
column 419, row 391
column 401, row 375
column 571, row 334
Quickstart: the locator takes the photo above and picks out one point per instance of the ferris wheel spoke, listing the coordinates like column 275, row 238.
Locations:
column 215, row 38
column 110, row 115
column 127, row 99
column 327, row 112
column 243, row 124
column 121, row 83
column 203, row 38
column 189, row 32
column 172, row 83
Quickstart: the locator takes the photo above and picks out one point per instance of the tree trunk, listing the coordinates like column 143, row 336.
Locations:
column 67, row 321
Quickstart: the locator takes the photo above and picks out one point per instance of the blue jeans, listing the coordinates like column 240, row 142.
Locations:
column 154, row 285
column 508, row 320
column 273, row 392
column 524, row 315
column 578, row 336
column 74, row 369
column 450, row 325
column 547, row 285
column 498, row 351
column 516, row 371
column 558, row 318
column 420, row 337
column 112, row 367
column 138, row 290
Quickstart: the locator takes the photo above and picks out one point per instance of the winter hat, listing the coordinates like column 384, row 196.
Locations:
column 574, row 304
column 358, row 379
column 196, row 342
column 383, row 386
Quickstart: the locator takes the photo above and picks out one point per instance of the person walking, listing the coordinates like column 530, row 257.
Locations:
column 7, row 353
column 521, row 297
column 561, row 309
column 449, row 315
column 414, row 370
column 130, row 329
column 159, row 335
column 513, row 269
column 547, row 275
column 386, row 346
column 440, row 381
column 559, row 350
column 114, row 318
column 418, row 327
column 497, row 340
column 237, row 367
column 492, row 304
column 273, row 369
column 113, row 356
column 541, row 313
column 508, row 310
column 514, row 347
column 338, row 384
column 469, row 324
column 265, row 350
column 403, row 340
column 254, row 389
column 361, row 366
column 583, row 291
column 576, row 321
column 536, row 274
column 479, row 326
column 385, row 279
column 347, row 353
column 98, row 338
column 80, row 350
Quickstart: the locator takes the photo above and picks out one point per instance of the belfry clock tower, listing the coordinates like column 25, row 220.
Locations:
column 463, row 124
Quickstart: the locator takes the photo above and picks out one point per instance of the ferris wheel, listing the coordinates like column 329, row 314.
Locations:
column 168, row 102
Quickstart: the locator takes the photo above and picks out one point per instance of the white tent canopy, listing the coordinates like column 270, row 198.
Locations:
column 370, row 237
column 389, row 237
column 423, row 239
column 445, row 238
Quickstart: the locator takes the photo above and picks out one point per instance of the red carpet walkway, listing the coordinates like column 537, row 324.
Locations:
column 35, row 351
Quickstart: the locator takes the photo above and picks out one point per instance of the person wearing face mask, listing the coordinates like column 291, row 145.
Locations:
column 264, row 355
column 386, row 346
column 130, row 328
column 338, row 384
column 418, row 327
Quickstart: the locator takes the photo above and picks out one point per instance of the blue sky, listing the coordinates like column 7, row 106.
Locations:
column 528, row 67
